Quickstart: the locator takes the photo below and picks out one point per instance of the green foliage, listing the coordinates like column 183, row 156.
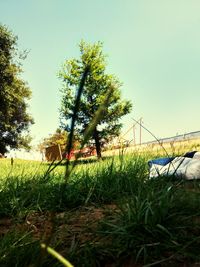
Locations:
column 17, row 249
column 14, row 93
column 96, row 87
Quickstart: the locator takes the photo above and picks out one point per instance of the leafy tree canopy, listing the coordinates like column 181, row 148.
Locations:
column 14, row 93
column 96, row 86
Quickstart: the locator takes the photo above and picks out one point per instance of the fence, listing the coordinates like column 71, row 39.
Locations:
column 180, row 137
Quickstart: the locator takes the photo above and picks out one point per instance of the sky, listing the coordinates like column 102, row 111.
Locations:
column 153, row 47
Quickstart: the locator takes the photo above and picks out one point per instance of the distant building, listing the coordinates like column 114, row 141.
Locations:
column 53, row 153
column 56, row 152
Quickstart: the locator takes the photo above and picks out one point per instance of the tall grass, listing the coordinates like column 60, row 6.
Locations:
column 156, row 225
column 100, row 182
column 149, row 221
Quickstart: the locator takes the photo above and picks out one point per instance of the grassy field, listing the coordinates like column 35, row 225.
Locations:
column 108, row 214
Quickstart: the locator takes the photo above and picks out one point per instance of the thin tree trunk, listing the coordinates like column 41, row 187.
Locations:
column 97, row 143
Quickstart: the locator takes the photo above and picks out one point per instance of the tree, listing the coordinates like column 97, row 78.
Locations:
column 57, row 138
column 96, row 86
column 14, row 93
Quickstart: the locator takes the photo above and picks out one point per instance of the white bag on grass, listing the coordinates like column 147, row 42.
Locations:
column 185, row 167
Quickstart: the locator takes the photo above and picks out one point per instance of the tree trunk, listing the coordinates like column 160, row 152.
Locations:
column 97, row 143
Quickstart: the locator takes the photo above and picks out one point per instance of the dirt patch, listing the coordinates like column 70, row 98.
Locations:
column 79, row 224
column 69, row 228
column 5, row 225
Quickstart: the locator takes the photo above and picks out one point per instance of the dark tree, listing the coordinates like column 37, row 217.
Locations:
column 14, row 93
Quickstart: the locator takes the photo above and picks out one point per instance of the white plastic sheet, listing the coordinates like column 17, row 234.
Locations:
column 187, row 168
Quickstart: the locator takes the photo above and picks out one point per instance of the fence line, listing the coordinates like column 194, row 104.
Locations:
column 180, row 137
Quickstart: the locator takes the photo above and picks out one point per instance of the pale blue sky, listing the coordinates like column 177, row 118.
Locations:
column 153, row 46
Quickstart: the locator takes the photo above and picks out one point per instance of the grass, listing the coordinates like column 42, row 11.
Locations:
column 109, row 213
column 99, row 183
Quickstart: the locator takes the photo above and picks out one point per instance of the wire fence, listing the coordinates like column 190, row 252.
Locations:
column 180, row 137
